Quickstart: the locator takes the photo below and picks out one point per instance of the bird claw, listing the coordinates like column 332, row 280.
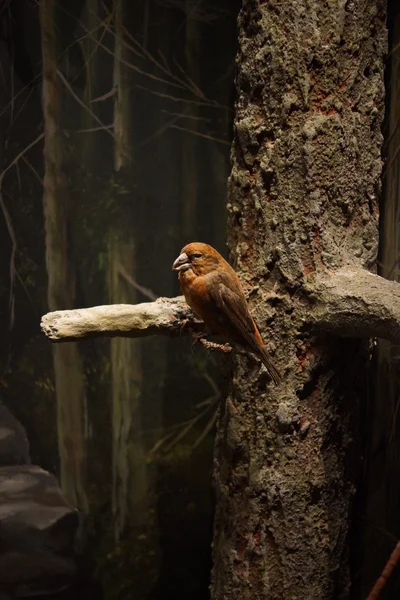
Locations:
column 226, row 348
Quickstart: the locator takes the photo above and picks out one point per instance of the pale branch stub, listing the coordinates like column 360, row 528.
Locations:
column 349, row 302
column 169, row 316
column 356, row 303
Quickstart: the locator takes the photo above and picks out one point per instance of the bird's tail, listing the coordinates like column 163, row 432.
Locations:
column 272, row 370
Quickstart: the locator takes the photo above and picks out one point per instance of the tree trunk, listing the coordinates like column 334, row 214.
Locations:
column 90, row 17
column 68, row 369
column 129, row 462
column 190, row 157
column 122, row 102
column 303, row 199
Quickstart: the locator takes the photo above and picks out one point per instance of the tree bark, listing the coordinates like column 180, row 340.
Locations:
column 68, row 369
column 303, row 199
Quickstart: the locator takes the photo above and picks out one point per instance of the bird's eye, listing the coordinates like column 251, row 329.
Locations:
column 197, row 255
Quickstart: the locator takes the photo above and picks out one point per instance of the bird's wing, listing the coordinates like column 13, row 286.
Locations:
column 230, row 300
column 234, row 307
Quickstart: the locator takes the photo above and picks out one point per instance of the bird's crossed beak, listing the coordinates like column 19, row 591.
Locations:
column 182, row 263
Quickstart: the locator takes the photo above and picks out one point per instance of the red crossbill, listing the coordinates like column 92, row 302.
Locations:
column 213, row 290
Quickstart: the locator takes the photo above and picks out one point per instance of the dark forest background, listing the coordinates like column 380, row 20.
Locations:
column 143, row 109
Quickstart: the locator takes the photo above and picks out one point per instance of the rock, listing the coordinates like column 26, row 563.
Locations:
column 37, row 534
column 14, row 445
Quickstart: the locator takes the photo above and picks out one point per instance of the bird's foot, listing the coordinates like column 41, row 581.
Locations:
column 214, row 346
column 201, row 338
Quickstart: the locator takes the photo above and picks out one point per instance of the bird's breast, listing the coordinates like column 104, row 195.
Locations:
column 197, row 296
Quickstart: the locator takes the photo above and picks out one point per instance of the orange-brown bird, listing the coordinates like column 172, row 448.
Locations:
column 213, row 290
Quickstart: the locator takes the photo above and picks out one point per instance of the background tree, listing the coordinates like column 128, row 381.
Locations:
column 68, row 368
column 129, row 461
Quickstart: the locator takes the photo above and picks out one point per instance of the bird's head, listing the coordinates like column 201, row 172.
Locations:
column 199, row 257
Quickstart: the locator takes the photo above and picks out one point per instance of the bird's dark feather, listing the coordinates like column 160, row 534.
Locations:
column 233, row 306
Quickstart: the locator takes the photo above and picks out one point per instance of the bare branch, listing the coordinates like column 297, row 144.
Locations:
column 127, row 63
column 12, row 269
column 182, row 99
column 81, row 103
column 206, row 430
column 93, row 129
column 20, row 155
column 9, row 225
column 202, row 135
column 105, row 96
column 138, row 50
column 384, row 576
column 32, row 168
column 353, row 302
column 140, row 288
column 169, row 316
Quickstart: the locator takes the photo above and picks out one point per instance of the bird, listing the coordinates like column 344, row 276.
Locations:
column 213, row 291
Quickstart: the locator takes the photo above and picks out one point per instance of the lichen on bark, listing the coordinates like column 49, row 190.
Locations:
column 303, row 199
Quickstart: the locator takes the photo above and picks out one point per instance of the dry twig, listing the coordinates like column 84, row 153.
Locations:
column 384, row 576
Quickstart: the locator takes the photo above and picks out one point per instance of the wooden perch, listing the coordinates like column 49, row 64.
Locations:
column 170, row 316
column 349, row 302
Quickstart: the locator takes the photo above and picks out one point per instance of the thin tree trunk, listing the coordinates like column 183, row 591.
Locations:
column 190, row 156
column 122, row 103
column 90, row 46
column 129, row 462
column 68, row 369
column 303, row 198
column 219, row 171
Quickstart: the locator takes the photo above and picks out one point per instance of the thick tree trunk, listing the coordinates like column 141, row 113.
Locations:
column 68, row 369
column 129, row 463
column 303, row 199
